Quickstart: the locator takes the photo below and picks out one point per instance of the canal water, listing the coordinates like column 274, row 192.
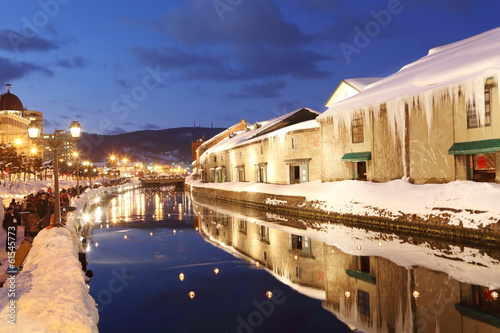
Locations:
column 166, row 262
column 145, row 239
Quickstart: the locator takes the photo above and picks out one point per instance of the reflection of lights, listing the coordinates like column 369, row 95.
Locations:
column 494, row 295
column 125, row 237
column 151, row 234
column 257, row 264
column 296, row 257
column 191, row 294
column 416, row 294
column 216, row 271
column 347, row 294
column 181, row 276
column 269, row 294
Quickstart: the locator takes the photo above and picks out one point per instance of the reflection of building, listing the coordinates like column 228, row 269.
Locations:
column 370, row 293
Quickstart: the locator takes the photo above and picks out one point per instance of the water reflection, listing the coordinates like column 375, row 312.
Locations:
column 370, row 280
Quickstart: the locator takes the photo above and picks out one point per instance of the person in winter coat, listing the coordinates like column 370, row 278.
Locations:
column 10, row 227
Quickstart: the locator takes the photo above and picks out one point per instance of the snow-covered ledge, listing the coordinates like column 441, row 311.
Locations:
column 50, row 293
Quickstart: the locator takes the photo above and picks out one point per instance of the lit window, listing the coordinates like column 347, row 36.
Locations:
column 357, row 129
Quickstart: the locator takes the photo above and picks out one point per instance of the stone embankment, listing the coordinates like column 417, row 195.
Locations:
column 435, row 226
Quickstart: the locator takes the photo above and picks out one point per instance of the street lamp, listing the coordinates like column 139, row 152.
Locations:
column 75, row 155
column 34, row 133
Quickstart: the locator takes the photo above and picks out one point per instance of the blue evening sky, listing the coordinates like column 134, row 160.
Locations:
column 122, row 66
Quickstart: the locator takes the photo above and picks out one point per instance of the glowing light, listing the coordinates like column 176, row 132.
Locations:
column 181, row 276
column 197, row 228
column 296, row 257
column 257, row 264
column 88, row 248
column 494, row 295
column 359, row 247
column 125, row 237
column 416, row 294
column 86, row 217
column 96, row 244
column 269, row 294
column 380, row 244
column 175, row 231
column 151, row 234
column 347, row 294
column 191, row 294
column 216, row 271
column 332, row 251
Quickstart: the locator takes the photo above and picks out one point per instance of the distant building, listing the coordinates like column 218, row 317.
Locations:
column 14, row 124
column 65, row 151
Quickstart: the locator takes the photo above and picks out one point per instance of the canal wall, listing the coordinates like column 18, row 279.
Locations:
column 436, row 226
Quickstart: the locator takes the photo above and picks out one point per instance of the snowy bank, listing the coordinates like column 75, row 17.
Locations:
column 50, row 292
column 466, row 203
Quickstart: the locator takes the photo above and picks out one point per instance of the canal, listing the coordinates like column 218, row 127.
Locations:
column 166, row 262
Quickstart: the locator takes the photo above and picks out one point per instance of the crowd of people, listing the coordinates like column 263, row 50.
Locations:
column 36, row 211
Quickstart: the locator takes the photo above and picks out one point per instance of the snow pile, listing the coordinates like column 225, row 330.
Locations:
column 468, row 203
column 51, row 294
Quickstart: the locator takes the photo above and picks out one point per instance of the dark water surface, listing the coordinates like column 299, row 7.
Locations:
column 143, row 241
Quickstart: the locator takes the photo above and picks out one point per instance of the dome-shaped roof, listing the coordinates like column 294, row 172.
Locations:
column 10, row 101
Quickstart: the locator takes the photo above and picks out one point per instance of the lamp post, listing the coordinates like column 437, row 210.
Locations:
column 75, row 155
column 34, row 133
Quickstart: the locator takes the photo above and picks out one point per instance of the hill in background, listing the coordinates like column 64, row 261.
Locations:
column 150, row 146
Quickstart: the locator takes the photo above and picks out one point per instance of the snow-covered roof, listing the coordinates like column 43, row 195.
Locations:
column 360, row 83
column 460, row 62
column 263, row 129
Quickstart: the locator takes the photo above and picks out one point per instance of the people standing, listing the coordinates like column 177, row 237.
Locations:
column 10, row 227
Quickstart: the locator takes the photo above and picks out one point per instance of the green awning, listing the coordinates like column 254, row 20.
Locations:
column 357, row 157
column 475, row 147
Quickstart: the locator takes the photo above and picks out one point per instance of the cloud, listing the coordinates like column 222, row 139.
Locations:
column 199, row 22
column 115, row 130
column 18, row 69
column 15, row 42
column 76, row 62
column 265, row 90
column 149, row 126
column 245, row 62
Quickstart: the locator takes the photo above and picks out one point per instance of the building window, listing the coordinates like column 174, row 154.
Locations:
column 363, row 264
column 215, row 158
column 242, row 226
column 357, row 129
column 294, row 143
column 472, row 115
column 364, row 303
column 222, row 158
column 264, row 234
column 298, row 272
column 484, row 167
column 261, row 149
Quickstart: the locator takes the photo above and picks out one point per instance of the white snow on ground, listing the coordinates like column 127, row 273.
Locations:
column 470, row 203
column 468, row 265
column 50, row 293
